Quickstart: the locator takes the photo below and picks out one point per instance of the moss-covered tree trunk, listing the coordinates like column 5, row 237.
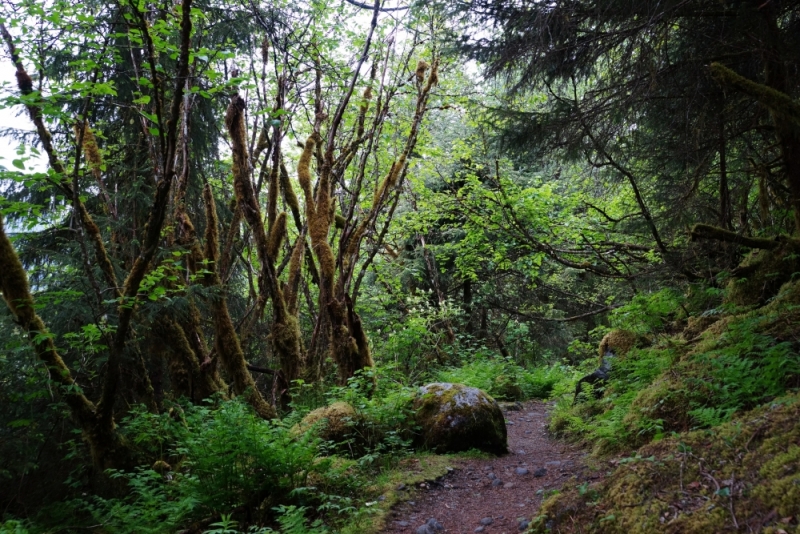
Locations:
column 108, row 448
column 286, row 339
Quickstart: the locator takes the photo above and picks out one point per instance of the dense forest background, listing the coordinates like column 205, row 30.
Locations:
column 252, row 210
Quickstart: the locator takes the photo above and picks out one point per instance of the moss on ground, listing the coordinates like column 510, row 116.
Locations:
column 384, row 493
column 741, row 475
column 715, row 414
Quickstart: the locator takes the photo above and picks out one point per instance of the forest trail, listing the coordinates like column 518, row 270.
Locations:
column 499, row 495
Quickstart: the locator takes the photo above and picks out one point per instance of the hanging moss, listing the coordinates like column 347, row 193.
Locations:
column 304, row 175
column 276, row 235
column 295, row 265
column 227, row 342
column 422, row 66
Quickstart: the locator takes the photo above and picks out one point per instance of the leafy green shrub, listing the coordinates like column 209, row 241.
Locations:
column 154, row 504
column 504, row 379
column 607, row 421
column 13, row 526
column 223, row 457
column 646, row 314
column 746, row 368
column 382, row 425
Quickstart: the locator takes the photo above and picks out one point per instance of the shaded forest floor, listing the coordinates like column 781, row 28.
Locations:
column 500, row 494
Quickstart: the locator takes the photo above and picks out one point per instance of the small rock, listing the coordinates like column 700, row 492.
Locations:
column 540, row 472
column 401, row 487
column 434, row 525
column 403, row 524
column 521, row 471
column 486, row 521
column 523, row 524
column 479, row 529
column 556, row 462
column 424, row 529
column 412, row 503
column 487, row 468
column 497, row 482
column 508, row 485
column 509, row 422
column 382, row 498
column 491, row 476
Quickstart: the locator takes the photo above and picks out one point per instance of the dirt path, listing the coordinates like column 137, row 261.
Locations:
column 499, row 494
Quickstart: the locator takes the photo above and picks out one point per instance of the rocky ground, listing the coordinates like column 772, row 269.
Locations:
column 496, row 495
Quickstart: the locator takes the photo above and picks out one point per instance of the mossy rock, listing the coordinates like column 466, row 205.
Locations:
column 619, row 342
column 455, row 417
column 334, row 423
column 761, row 275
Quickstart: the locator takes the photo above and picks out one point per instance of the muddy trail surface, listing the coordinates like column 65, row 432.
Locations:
column 495, row 495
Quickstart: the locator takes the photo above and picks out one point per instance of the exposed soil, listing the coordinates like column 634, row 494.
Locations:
column 469, row 496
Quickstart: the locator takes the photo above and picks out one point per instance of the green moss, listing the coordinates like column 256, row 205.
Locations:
column 696, row 482
column 410, row 472
column 334, row 423
column 765, row 271
column 667, row 400
column 696, row 325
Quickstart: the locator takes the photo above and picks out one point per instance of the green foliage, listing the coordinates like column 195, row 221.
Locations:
column 647, row 313
column 505, row 380
column 12, row 526
column 667, row 387
column 224, row 456
column 383, row 422
column 744, row 369
column 154, row 504
column 415, row 342
column 293, row 521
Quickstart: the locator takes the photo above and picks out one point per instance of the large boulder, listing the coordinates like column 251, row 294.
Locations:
column 455, row 417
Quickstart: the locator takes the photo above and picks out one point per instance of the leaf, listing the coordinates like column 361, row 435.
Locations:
column 18, row 163
column 144, row 99
column 18, row 423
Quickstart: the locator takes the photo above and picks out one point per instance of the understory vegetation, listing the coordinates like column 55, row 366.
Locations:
column 238, row 238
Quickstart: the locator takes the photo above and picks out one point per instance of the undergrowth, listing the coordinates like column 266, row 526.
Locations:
column 506, row 380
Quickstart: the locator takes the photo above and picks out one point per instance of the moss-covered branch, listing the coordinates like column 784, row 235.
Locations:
column 285, row 328
column 776, row 101
column 705, row 231
column 107, row 447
